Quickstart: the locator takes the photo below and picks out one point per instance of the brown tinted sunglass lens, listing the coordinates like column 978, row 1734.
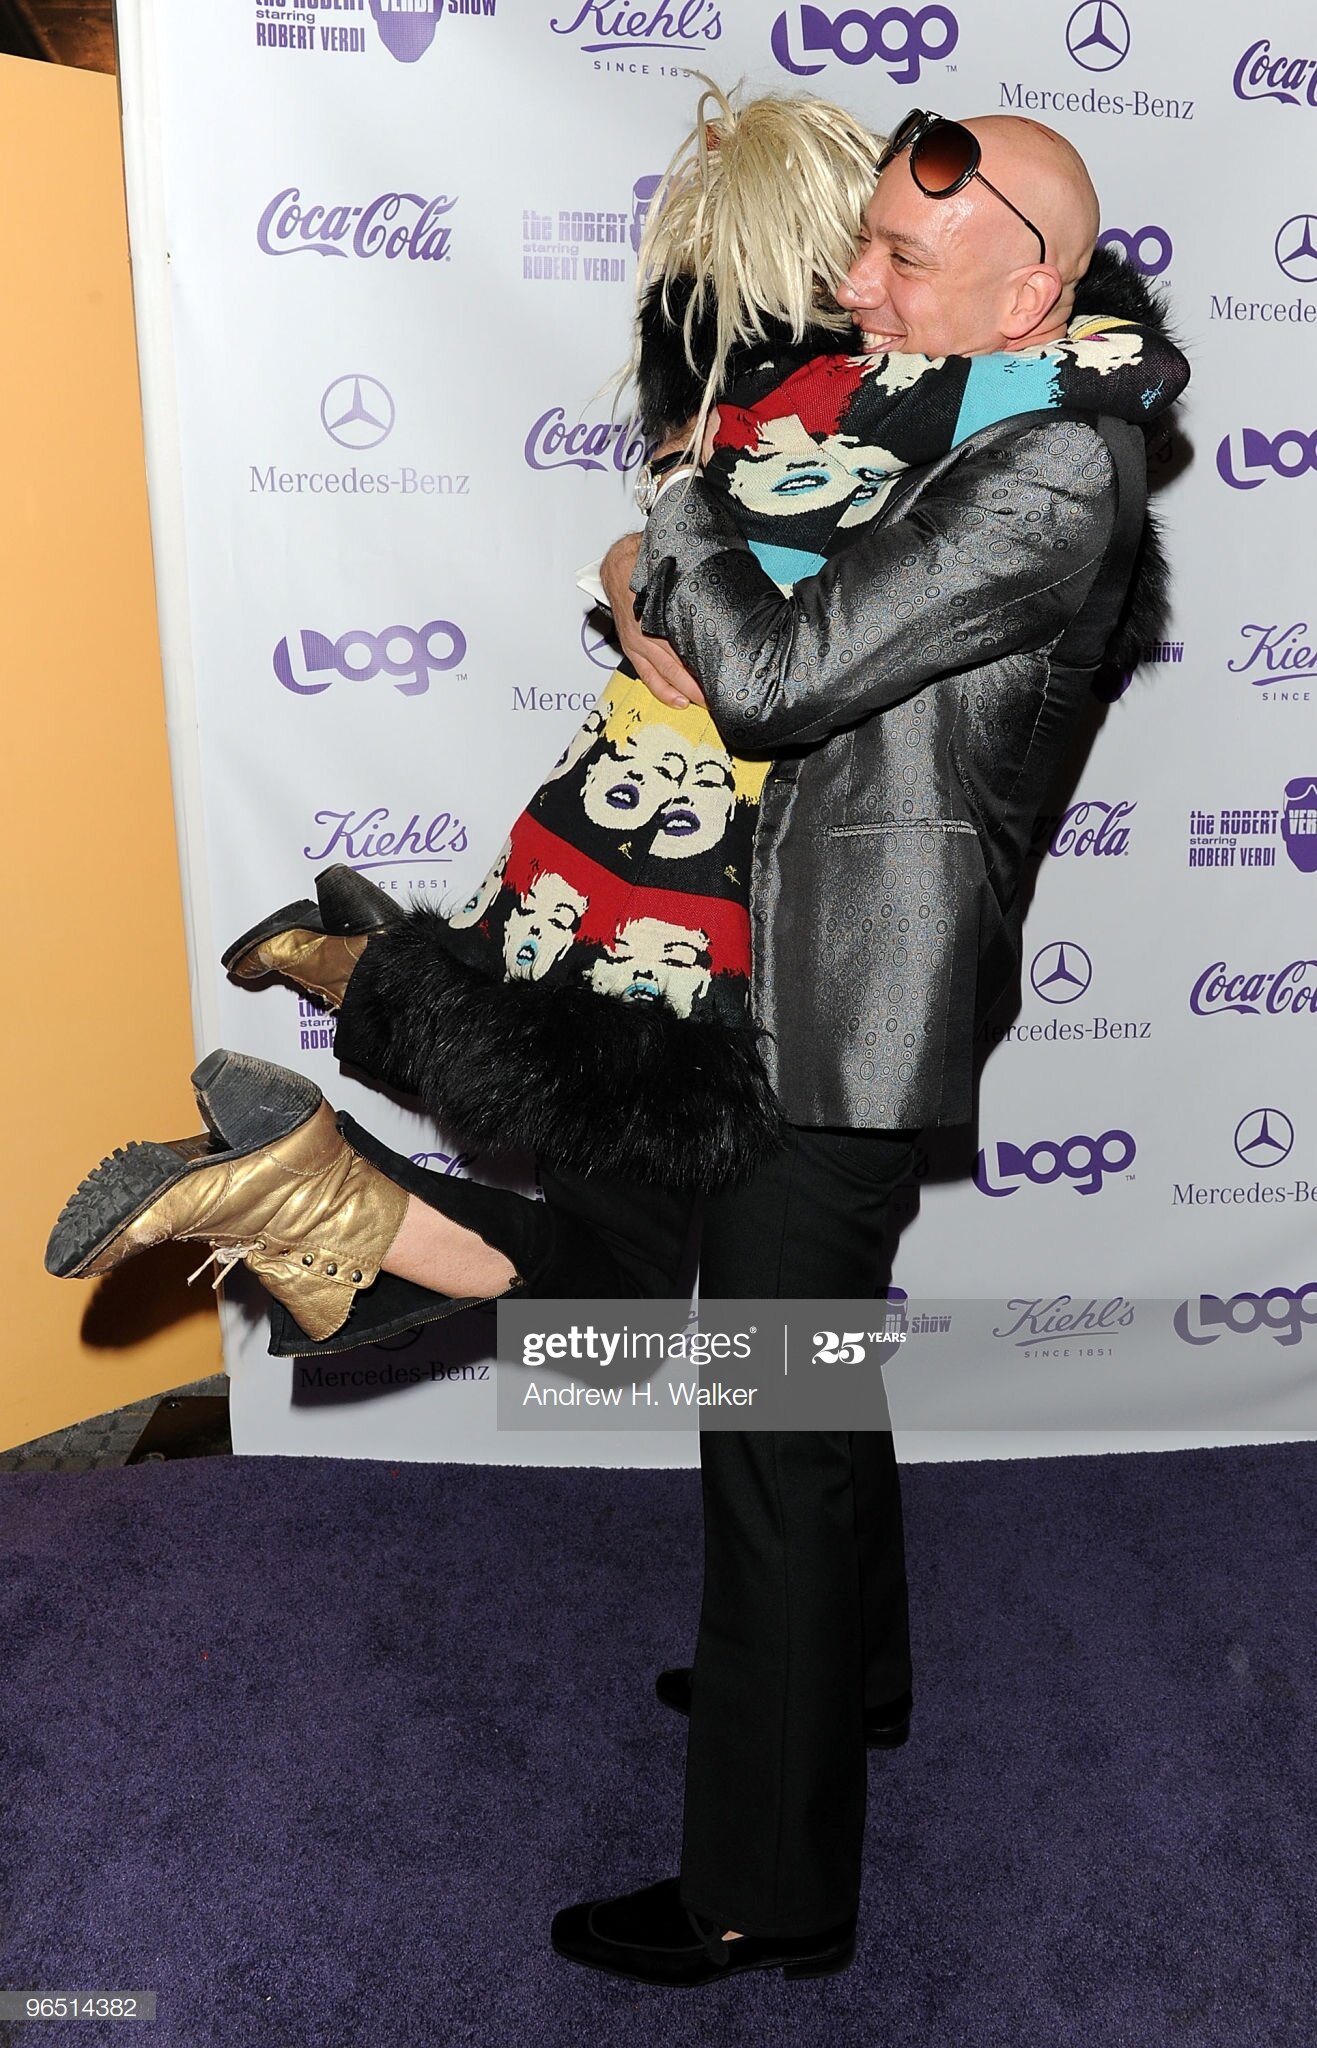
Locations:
column 942, row 157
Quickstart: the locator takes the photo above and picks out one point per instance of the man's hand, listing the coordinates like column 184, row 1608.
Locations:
column 653, row 660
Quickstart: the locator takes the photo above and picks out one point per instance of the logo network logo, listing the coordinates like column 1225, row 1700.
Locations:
column 369, row 839
column 393, row 224
column 357, row 412
column 1273, row 456
column 1084, row 1161
column 1275, row 992
column 899, row 40
column 1061, row 972
column 552, row 444
column 1281, row 1310
column 408, row 657
column 680, row 29
column 1264, row 1138
column 1097, row 35
column 1093, row 827
column 1259, row 75
column 1296, row 248
column 1147, row 249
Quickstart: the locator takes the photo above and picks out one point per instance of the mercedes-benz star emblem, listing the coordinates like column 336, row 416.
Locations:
column 1296, row 248
column 599, row 648
column 357, row 412
column 1097, row 35
column 1264, row 1137
column 1061, row 972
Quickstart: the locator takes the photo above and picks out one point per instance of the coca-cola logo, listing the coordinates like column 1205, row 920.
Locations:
column 370, row 839
column 1282, row 1311
column 394, row 224
column 1274, row 651
column 1273, row 992
column 1261, row 75
column 1083, row 1161
column 1093, row 827
column 679, row 26
column 408, row 656
column 552, row 444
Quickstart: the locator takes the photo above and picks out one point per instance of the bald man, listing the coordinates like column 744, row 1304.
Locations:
column 917, row 697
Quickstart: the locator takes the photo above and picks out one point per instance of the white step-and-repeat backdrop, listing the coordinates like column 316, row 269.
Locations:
column 385, row 255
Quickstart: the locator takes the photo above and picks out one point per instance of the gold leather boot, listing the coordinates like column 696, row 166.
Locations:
column 274, row 1183
column 320, row 963
column 316, row 945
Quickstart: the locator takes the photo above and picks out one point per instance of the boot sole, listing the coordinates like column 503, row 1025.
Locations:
column 350, row 905
column 246, row 1103
column 303, row 916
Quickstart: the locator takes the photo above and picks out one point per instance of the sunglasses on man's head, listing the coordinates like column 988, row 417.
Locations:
column 944, row 156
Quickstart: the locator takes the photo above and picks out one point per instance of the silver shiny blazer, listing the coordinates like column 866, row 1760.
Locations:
column 917, row 697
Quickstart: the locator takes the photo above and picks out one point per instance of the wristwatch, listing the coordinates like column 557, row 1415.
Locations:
column 653, row 473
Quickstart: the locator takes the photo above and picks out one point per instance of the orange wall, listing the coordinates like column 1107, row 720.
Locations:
column 97, row 1035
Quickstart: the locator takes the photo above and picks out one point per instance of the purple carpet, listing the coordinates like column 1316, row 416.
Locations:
column 314, row 1749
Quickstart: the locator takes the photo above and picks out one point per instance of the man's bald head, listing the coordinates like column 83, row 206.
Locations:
column 963, row 275
column 1024, row 157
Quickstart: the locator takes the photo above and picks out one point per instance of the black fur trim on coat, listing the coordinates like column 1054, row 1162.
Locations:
column 668, row 391
column 1111, row 285
column 587, row 1083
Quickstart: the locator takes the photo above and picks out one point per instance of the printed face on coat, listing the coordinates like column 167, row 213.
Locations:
column 578, row 746
column 651, row 961
column 625, row 786
column 542, row 927
column 477, row 904
column 791, row 470
column 697, row 818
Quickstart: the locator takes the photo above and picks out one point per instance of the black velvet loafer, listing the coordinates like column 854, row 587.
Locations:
column 885, row 1727
column 650, row 1936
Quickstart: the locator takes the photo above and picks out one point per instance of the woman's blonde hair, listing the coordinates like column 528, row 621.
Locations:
column 761, row 205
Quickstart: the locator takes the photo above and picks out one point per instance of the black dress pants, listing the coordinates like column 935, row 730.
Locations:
column 804, row 1620
column 804, row 1614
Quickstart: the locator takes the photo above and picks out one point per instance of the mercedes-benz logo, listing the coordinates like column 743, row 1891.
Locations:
column 1061, row 972
column 357, row 412
column 1097, row 35
column 597, row 645
column 1296, row 248
column 1264, row 1137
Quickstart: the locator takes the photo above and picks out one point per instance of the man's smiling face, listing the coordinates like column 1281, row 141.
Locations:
column 919, row 283
column 963, row 275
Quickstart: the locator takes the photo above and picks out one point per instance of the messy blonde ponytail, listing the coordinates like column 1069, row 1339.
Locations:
column 761, row 205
